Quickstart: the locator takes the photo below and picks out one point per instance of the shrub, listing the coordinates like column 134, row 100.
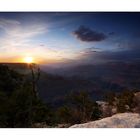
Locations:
column 80, row 108
column 125, row 101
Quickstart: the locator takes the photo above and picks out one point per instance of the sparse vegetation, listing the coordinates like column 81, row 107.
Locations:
column 80, row 108
column 19, row 107
column 125, row 102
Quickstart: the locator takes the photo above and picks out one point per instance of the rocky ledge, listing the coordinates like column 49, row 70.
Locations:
column 122, row 120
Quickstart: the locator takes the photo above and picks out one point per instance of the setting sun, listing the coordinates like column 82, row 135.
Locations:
column 28, row 59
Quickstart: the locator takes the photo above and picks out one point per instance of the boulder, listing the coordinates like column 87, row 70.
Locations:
column 122, row 120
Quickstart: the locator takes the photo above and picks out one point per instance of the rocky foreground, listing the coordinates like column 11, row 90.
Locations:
column 122, row 120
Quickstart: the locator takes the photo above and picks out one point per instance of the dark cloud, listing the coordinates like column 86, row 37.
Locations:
column 88, row 35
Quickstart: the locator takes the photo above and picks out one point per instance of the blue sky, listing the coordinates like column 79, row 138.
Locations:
column 67, row 37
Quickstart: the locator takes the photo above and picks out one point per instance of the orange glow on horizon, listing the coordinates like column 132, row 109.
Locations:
column 28, row 59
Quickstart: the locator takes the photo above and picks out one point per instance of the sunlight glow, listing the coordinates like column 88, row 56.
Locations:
column 28, row 59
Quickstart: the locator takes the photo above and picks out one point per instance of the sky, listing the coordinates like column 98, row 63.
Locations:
column 76, row 38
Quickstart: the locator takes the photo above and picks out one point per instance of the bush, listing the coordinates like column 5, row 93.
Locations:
column 9, row 79
column 110, row 98
column 80, row 108
column 18, row 105
column 125, row 102
column 64, row 114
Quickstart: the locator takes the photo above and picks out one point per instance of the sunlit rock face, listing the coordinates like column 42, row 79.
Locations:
column 122, row 120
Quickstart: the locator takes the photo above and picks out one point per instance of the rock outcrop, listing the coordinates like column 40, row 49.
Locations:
column 122, row 120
